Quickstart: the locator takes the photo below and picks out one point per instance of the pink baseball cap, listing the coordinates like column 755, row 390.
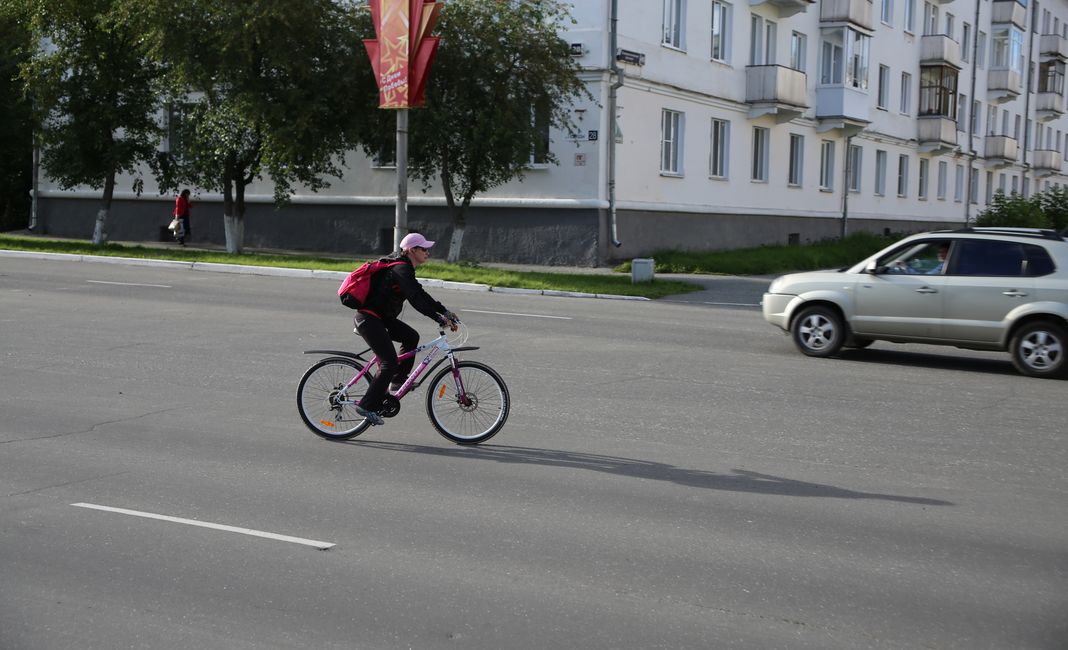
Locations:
column 413, row 239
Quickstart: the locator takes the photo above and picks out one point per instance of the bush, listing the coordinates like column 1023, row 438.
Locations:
column 1047, row 209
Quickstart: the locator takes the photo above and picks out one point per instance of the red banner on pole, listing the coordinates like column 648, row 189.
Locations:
column 403, row 51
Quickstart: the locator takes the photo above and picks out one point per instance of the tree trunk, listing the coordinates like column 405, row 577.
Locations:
column 100, row 233
column 232, row 226
column 456, row 242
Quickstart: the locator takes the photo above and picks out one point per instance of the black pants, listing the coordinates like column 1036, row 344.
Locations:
column 380, row 335
column 185, row 232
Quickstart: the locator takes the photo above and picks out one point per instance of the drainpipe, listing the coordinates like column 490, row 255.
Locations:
column 1027, row 97
column 617, row 82
column 971, row 123
column 845, row 188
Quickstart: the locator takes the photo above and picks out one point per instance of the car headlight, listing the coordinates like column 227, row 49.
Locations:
column 776, row 286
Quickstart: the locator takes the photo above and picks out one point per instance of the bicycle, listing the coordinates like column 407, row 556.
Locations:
column 467, row 402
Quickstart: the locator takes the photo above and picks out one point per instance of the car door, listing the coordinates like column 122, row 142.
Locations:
column 902, row 298
column 985, row 282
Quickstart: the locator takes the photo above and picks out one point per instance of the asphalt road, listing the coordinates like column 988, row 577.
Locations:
column 672, row 476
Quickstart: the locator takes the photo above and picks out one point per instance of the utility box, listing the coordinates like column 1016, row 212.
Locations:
column 641, row 270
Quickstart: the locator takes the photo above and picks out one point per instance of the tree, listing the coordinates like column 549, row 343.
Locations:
column 94, row 92
column 15, row 121
column 501, row 79
column 264, row 87
column 1054, row 204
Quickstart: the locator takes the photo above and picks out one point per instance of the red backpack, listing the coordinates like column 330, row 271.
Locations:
column 357, row 285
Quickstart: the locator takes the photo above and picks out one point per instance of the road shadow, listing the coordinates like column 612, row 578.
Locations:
column 928, row 360
column 738, row 480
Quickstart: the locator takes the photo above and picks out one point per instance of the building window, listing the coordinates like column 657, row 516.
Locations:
column 760, row 153
column 542, row 118
column 930, row 19
column 848, row 46
column 966, row 43
column 910, row 16
column 962, row 112
column 951, row 24
column 884, row 87
column 938, row 91
column 671, row 125
column 856, row 167
column 958, row 184
column 980, row 50
column 797, row 160
column 674, row 23
column 827, row 165
column 989, row 186
column 1051, row 77
column 720, row 148
column 888, row 12
column 880, row 172
column 977, row 108
column 924, row 171
column 906, row 93
column 902, row 175
column 798, row 46
column 1006, row 50
column 721, row 31
column 943, row 172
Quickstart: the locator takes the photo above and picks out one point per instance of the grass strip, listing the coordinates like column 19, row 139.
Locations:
column 466, row 272
column 768, row 260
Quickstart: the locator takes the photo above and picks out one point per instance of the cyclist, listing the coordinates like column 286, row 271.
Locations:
column 378, row 323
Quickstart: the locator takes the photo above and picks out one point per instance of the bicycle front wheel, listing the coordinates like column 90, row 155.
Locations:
column 317, row 399
column 472, row 409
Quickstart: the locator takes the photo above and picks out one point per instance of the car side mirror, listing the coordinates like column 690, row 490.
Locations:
column 872, row 268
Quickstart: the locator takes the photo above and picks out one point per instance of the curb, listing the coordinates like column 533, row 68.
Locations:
column 215, row 267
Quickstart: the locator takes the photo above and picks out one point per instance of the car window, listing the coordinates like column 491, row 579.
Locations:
column 1038, row 261
column 922, row 258
column 989, row 257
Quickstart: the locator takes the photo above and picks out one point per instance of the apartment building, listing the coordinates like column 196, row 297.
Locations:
column 728, row 123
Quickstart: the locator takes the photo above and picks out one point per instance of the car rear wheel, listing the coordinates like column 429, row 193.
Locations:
column 818, row 331
column 1038, row 349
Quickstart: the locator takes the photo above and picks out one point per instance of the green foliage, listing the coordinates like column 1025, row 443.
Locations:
column 764, row 260
column 1014, row 210
column 95, row 92
column 1054, row 204
column 499, row 65
column 15, row 120
column 266, row 87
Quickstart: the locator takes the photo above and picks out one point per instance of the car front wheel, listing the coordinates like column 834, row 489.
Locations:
column 1038, row 349
column 818, row 331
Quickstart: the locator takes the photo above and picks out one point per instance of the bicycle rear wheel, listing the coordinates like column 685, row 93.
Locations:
column 317, row 395
column 474, row 414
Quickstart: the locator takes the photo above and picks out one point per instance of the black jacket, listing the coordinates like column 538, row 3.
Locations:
column 392, row 286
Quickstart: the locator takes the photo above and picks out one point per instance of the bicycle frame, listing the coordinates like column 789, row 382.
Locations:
column 440, row 343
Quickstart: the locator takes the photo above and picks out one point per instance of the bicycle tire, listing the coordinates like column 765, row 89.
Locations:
column 478, row 420
column 314, row 392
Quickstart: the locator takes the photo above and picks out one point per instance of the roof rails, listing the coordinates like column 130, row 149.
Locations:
column 1037, row 233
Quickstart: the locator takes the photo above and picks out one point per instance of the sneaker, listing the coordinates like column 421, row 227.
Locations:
column 373, row 417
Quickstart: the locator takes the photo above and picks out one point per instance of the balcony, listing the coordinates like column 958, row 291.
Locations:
column 1003, row 86
column 1047, row 162
column 1009, row 11
column 1053, row 46
column 1000, row 150
column 940, row 49
column 786, row 7
column 858, row 12
column 842, row 107
column 938, row 134
column 1049, row 106
column 775, row 90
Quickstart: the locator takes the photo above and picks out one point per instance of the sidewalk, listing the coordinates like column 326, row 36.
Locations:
column 741, row 291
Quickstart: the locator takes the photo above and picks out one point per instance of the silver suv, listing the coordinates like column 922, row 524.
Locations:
column 976, row 288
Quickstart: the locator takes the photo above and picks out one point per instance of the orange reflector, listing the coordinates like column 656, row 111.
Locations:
column 326, row 423
column 441, row 393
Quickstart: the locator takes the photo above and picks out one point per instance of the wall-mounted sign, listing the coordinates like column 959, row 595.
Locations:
column 592, row 136
column 577, row 49
column 580, row 160
column 628, row 56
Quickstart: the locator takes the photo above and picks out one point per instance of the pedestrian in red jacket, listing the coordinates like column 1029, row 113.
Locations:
column 181, row 211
